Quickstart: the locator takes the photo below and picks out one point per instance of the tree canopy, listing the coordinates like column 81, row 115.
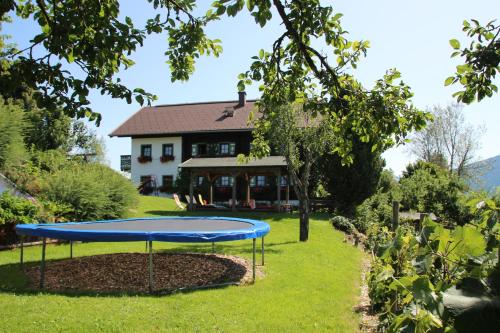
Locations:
column 449, row 141
column 93, row 37
column 317, row 80
column 481, row 61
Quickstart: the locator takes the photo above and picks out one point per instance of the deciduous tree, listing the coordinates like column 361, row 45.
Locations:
column 91, row 37
column 481, row 61
column 449, row 141
column 294, row 73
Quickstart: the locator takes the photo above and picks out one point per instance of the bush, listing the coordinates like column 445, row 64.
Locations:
column 15, row 210
column 343, row 224
column 429, row 188
column 377, row 209
column 93, row 191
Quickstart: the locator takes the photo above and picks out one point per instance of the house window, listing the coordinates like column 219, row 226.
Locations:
column 224, row 181
column 258, row 181
column 199, row 149
column 227, row 148
column 283, row 181
column 146, row 151
column 168, row 149
column 146, row 185
column 167, row 182
column 145, row 179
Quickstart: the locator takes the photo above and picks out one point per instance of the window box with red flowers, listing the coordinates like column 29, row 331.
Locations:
column 167, row 158
column 144, row 159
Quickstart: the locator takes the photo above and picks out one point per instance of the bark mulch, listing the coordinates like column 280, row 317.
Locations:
column 128, row 272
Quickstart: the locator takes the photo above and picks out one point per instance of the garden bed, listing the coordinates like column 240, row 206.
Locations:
column 128, row 272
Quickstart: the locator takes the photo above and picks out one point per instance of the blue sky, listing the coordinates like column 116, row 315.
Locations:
column 411, row 36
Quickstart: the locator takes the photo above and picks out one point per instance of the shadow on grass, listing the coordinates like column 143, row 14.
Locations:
column 224, row 248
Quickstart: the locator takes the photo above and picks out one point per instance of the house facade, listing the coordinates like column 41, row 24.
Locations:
column 168, row 138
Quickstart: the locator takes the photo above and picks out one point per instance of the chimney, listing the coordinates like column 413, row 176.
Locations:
column 242, row 98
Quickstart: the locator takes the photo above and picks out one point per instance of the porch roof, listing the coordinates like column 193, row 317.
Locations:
column 232, row 162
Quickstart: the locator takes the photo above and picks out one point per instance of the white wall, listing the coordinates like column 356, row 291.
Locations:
column 155, row 167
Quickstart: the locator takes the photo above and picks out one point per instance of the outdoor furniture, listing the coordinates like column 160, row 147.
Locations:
column 202, row 202
column 189, row 200
column 178, row 202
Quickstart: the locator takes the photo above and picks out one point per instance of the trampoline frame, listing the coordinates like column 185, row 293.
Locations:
column 149, row 243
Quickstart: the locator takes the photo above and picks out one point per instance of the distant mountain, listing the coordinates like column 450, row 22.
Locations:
column 491, row 177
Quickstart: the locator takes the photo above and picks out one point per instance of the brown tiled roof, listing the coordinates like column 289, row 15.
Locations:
column 186, row 118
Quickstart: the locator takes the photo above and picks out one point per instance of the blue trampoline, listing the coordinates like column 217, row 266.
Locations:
column 163, row 229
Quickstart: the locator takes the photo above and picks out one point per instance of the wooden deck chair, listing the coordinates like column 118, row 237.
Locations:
column 178, row 202
column 188, row 200
column 201, row 201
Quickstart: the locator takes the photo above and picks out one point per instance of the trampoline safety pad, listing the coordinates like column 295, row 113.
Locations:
column 166, row 229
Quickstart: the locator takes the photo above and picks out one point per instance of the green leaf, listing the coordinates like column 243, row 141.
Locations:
column 455, row 44
column 469, row 241
column 337, row 16
column 261, row 54
column 449, row 81
column 139, row 99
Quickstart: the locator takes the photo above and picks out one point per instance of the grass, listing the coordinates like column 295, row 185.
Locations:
column 308, row 287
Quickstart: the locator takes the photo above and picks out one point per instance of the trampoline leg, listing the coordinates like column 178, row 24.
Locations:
column 42, row 264
column 213, row 247
column 253, row 265
column 21, row 260
column 262, row 251
column 71, row 249
column 146, row 246
column 150, row 266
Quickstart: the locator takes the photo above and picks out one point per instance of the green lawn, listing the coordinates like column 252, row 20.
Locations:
column 308, row 287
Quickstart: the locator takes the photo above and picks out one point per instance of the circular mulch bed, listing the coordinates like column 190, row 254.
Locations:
column 128, row 272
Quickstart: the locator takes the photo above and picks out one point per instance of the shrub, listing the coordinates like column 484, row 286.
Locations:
column 16, row 210
column 343, row 224
column 377, row 209
column 429, row 188
column 93, row 191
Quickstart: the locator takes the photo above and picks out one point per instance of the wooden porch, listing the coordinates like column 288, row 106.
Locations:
column 212, row 168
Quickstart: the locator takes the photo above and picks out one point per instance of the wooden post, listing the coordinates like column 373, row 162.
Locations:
column 191, row 191
column 278, row 184
column 233, row 196
column 395, row 215
column 287, row 195
column 211, row 190
column 211, row 194
column 247, row 178
column 421, row 221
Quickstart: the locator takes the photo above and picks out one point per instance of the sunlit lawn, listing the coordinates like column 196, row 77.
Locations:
column 308, row 287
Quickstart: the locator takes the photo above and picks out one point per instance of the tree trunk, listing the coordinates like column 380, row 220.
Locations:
column 304, row 218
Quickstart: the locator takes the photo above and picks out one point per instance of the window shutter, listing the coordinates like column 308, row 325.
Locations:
column 194, row 150
column 232, row 149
